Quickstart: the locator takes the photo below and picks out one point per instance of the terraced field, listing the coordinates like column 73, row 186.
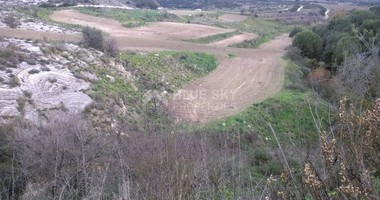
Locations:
column 249, row 76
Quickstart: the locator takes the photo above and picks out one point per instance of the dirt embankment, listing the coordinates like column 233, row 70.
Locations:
column 252, row 76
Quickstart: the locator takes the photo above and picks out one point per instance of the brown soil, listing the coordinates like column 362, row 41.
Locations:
column 157, row 31
column 252, row 76
column 30, row 34
column 233, row 18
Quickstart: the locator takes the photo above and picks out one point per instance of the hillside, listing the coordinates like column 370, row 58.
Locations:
column 253, row 101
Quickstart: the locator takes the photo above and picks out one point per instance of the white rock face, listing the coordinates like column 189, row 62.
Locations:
column 41, row 79
column 21, row 2
column 29, row 23
column 48, row 87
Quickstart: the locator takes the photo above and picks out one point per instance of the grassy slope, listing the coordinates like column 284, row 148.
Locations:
column 158, row 71
column 265, row 28
column 288, row 112
column 131, row 18
column 44, row 14
column 290, row 115
column 214, row 38
column 169, row 70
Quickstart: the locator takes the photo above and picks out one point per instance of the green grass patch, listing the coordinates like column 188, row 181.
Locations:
column 44, row 14
column 214, row 38
column 131, row 18
column 107, row 86
column 169, row 70
column 231, row 55
column 266, row 29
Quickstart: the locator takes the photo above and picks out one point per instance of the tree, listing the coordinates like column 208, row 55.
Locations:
column 150, row 4
column 347, row 47
column 309, row 43
column 93, row 37
column 375, row 10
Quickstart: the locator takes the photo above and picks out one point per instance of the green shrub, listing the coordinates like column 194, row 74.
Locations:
column 93, row 37
column 309, row 43
column 295, row 30
column 261, row 156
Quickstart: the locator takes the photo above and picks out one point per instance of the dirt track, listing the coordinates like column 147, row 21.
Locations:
column 252, row 76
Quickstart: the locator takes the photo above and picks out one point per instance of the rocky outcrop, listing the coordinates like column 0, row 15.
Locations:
column 38, row 80
column 38, row 83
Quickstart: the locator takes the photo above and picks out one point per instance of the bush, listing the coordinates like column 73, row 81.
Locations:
column 295, row 31
column 110, row 47
column 14, row 82
column 150, row 4
column 294, row 54
column 261, row 156
column 309, row 43
column 93, row 37
column 375, row 10
column 11, row 21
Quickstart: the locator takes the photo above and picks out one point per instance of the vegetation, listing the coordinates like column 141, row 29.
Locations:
column 318, row 138
column 309, row 43
column 93, row 37
column 344, row 35
column 265, row 28
column 150, row 4
column 131, row 18
column 343, row 165
column 295, row 30
column 11, row 21
column 167, row 71
column 213, row 38
column 290, row 112
column 110, row 47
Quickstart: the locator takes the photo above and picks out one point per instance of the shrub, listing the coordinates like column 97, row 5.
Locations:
column 14, row 81
column 294, row 54
column 309, row 43
column 11, row 21
column 296, row 87
column 150, row 4
column 295, row 31
column 110, row 47
column 375, row 10
column 261, row 156
column 93, row 37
